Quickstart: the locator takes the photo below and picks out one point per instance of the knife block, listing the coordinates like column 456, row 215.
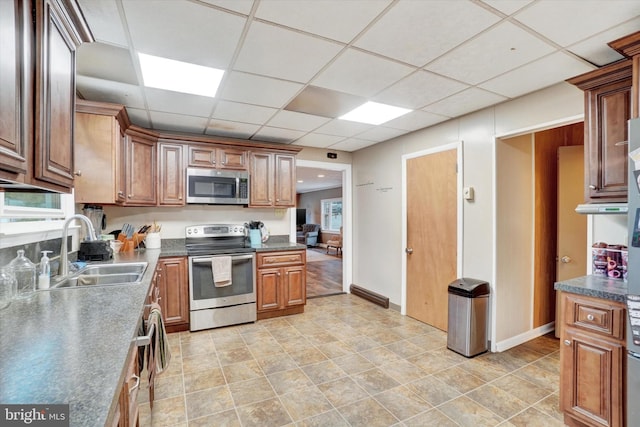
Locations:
column 130, row 244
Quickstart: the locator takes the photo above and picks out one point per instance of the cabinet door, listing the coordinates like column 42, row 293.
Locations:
column 173, row 285
column 591, row 384
column 268, row 289
column 261, row 180
column 13, row 139
column 202, row 156
column 609, row 108
column 55, row 95
column 172, row 173
column 229, row 158
column 140, row 163
column 295, row 286
column 285, row 178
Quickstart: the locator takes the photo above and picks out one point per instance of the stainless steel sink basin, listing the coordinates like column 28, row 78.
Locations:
column 104, row 274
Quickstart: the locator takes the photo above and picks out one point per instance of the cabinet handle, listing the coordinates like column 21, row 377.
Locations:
column 590, row 317
column 180, row 198
column 78, row 173
column 567, row 342
column 593, row 187
column 130, row 196
column 136, row 385
column 120, row 193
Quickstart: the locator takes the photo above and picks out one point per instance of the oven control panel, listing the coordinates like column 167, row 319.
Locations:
column 215, row 230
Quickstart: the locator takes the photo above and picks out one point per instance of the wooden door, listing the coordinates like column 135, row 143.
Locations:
column 268, row 289
column 172, row 172
column 295, row 285
column 285, row 179
column 141, row 171
column 261, row 181
column 431, row 235
column 230, row 158
column 173, row 285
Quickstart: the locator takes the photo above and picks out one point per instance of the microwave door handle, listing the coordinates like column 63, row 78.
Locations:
column 208, row 259
column 237, row 187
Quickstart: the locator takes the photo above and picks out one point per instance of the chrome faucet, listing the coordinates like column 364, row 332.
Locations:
column 63, row 271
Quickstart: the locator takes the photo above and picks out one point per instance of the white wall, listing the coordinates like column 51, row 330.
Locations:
column 378, row 246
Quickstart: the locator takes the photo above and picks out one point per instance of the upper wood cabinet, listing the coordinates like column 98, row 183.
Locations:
column 607, row 110
column 37, row 98
column 208, row 156
column 99, row 150
column 141, row 167
column 171, row 172
column 272, row 179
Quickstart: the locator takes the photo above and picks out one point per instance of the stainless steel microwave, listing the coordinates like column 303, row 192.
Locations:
column 211, row 186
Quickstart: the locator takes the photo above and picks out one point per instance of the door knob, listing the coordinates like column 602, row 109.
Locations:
column 566, row 259
column 409, row 250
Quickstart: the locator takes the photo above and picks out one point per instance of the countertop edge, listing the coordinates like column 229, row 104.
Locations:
column 595, row 286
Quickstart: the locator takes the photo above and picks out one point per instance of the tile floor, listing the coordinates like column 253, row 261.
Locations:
column 347, row 362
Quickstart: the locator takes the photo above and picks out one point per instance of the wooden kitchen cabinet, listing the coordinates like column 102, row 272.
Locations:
column 127, row 412
column 272, row 180
column 607, row 92
column 171, row 174
column 173, row 290
column 592, row 353
column 208, row 156
column 281, row 285
column 140, row 164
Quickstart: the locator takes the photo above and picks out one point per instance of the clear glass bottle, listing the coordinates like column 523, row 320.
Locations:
column 25, row 273
column 7, row 286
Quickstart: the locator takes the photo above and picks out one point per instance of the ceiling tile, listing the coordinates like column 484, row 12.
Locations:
column 343, row 128
column 104, row 20
column 419, row 89
column 507, row 7
column 347, row 18
column 494, row 52
column 380, row 133
column 416, row 120
column 569, row 21
column 252, row 89
column 231, row 129
column 178, row 122
column 417, row 32
column 324, row 102
column 271, row 134
column 360, row 73
column 297, row 121
column 158, row 32
column 106, row 62
column 537, row 75
column 244, row 113
column 596, row 50
column 241, row 6
column 465, row 102
column 110, row 91
column 282, row 53
column 139, row 117
column 352, row 144
column 317, row 140
column 179, row 103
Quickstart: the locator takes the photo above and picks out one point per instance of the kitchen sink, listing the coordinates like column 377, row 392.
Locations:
column 103, row 274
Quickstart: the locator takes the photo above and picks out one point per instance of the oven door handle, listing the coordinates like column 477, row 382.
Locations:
column 208, row 259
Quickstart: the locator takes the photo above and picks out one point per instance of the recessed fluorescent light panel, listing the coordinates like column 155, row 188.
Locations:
column 374, row 113
column 168, row 74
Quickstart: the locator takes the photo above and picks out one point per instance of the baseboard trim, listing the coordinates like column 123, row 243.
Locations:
column 524, row 337
column 369, row 295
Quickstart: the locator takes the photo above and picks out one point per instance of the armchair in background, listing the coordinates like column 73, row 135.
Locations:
column 335, row 242
column 308, row 235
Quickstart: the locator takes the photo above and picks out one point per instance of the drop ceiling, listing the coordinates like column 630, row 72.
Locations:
column 292, row 66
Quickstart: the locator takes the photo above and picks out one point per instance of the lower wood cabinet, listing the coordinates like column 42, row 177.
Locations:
column 172, row 280
column 281, row 284
column 127, row 412
column 592, row 352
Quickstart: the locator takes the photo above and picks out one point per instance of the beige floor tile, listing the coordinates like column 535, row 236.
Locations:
column 551, row 406
column 209, row 401
column 483, row 368
column 380, row 355
column 200, row 380
column 375, row 381
column 265, row 413
column 251, row 391
column 343, row 391
column 167, row 386
column 459, row 379
column 331, row 418
column 431, row 418
column 405, row 348
column 198, row 346
column 403, row 371
column 367, row 413
column 234, row 355
column 242, row 371
column 533, row 417
column 498, row 401
column 335, row 349
column 226, row 342
column 323, row 372
column 353, row 363
column 168, row 412
column 466, row 412
column 221, row 419
column 199, row 363
column 539, row 376
column 432, row 390
column 288, row 381
column 402, row 402
column 521, row 388
column 305, row 403
column 308, row 356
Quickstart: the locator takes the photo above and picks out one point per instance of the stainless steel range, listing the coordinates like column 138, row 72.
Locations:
column 217, row 252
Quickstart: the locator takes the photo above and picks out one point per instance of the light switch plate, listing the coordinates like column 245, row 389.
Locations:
column 468, row 193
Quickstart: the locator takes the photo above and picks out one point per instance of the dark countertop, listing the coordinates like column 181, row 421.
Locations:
column 71, row 345
column 595, row 286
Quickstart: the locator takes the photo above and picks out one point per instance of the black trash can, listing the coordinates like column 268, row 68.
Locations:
column 468, row 314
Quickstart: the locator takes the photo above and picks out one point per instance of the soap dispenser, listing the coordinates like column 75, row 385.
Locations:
column 25, row 273
column 45, row 271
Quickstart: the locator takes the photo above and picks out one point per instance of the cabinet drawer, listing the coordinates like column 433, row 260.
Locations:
column 595, row 315
column 278, row 259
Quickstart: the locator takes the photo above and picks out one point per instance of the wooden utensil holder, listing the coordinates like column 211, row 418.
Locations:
column 130, row 244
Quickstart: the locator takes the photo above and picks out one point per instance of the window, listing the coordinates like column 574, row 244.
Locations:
column 331, row 214
column 23, row 212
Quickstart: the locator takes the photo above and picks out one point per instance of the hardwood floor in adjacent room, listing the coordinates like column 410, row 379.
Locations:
column 324, row 273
